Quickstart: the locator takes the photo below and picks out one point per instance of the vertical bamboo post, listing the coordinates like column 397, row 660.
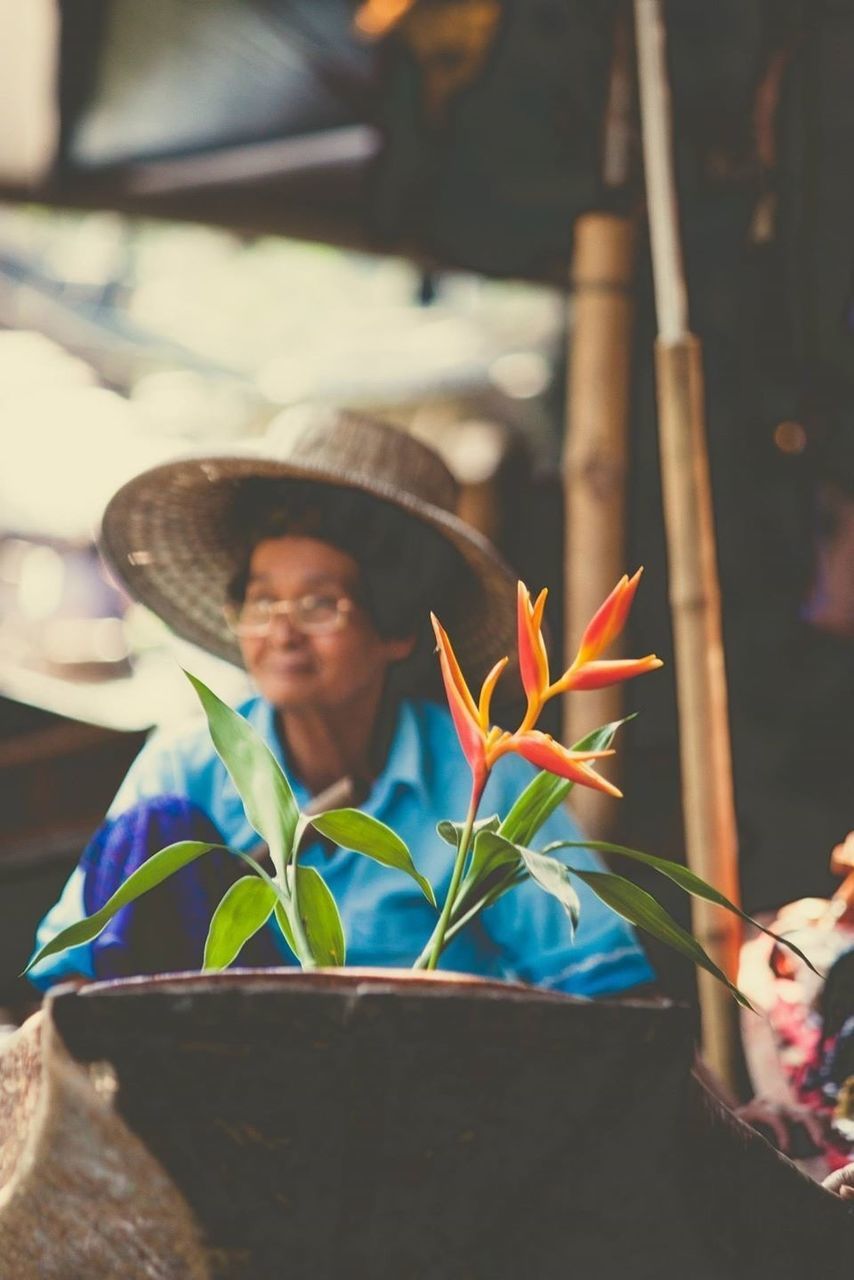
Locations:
column 597, row 415
column 595, row 460
column 710, row 830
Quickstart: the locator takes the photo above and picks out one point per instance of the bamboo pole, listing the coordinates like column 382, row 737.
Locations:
column 707, row 796
column 597, row 416
column 599, row 374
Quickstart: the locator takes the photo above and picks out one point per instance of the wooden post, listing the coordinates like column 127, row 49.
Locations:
column 710, row 829
column 597, row 415
column 599, row 374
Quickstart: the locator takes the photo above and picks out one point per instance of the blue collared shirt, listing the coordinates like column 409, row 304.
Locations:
column 524, row 936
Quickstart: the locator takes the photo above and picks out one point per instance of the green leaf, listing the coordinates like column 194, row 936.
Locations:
column 320, row 918
column 265, row 791
column 490, row 853
column 244, row 909
column 159, row 867
column 495, row 867
column 641, row 909
column 359, row 832
column 487, row 892
column 546, row 792
column 685, row 878
column 451, row 831
column 464, row 912
column 553, row 876
column 284, row 905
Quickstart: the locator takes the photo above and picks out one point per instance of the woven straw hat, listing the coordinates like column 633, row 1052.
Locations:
column 167, row 537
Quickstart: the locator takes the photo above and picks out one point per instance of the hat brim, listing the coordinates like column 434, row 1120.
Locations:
column 165, row 537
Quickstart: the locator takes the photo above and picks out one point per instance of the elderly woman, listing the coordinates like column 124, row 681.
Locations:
column 316, row 560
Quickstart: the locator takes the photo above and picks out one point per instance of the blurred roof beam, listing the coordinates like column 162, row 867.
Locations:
column 331, row 150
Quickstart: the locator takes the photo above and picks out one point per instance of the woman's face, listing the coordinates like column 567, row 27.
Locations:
column 330, row 671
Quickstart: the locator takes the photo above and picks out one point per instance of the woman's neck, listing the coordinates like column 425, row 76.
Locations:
column 324, row 745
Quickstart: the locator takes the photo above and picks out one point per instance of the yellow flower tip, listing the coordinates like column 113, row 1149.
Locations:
column 533, row 659
column 498, row 743
column 598, row 783
column 539, row 609
column 487, row 690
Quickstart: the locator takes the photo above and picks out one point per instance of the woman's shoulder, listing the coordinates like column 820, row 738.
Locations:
column 190, row 737
column 425, row 749
column 179, row 758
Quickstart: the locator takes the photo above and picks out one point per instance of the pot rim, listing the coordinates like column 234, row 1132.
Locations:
column 445, row 982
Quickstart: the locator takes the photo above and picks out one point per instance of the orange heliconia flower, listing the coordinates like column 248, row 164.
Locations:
column 483, row 744
column 587, row 670
column 533, row 659
column 471, row 721
column 543, row 751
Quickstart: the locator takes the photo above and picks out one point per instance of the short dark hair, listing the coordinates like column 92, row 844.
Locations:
column 406, row 569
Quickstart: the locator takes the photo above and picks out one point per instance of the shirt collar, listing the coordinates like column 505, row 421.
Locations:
column 405, row 762
column 262, row 716
column 404, row 765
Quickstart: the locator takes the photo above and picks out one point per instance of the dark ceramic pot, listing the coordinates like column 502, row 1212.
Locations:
column 386, row 1124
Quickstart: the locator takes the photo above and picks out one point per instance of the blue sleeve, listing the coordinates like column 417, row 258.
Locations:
column 76, row 961
column 154, row 772
column 532, row 930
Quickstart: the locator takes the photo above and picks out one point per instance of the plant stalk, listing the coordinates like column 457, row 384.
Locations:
column 437, row 940
column 457, row 924
column 305, row 957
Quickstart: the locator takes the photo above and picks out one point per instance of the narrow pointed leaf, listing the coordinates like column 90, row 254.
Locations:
column 495, row 867
column 686, row 879
column 641, row 909
column 284, row 904
column 490, row 853
column 352, row 829
column 483, row 896
column 545, row 792
column 281, row 894
column 159, row 867
column 265, row 791
column 464, row 912
column 451, row 831
column 244, row 909
column 554, row 877
column 320, row 918
column 285, row 925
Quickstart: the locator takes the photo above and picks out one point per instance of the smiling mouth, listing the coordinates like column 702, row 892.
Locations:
column 289, row 664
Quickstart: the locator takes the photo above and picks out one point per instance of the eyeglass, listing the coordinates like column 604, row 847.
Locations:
column 314, row 615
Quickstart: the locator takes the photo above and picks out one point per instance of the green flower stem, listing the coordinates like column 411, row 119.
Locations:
column 305, row 957
column 437, row 941
column 458, row 923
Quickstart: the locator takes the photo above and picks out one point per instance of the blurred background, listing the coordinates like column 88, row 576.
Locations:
column 211, row 210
